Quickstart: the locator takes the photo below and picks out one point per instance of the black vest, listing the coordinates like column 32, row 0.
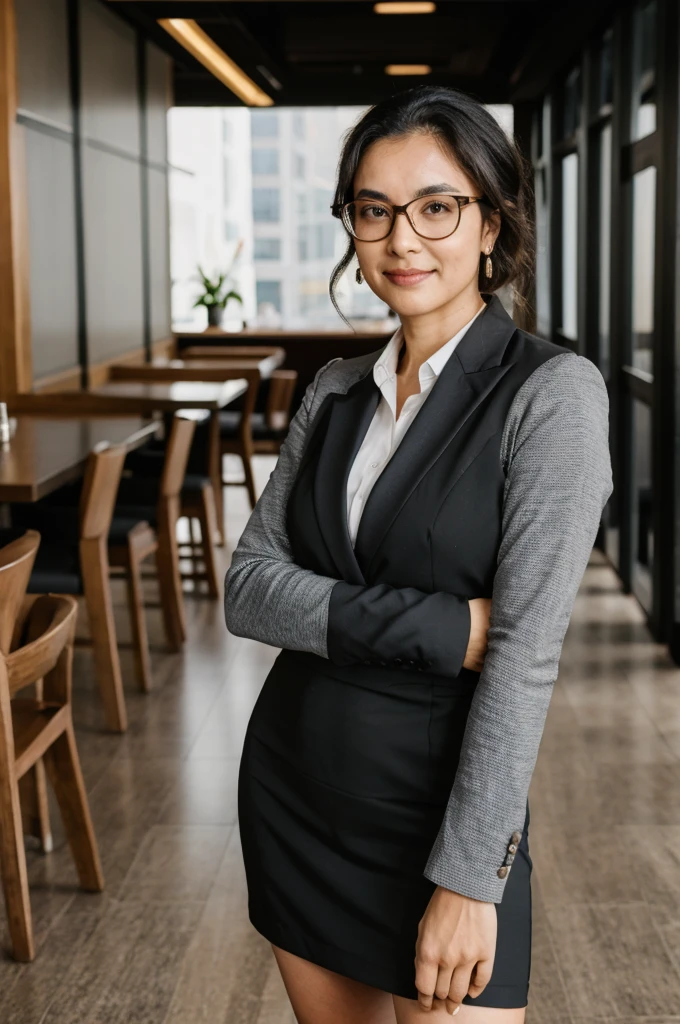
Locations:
column 433, row 519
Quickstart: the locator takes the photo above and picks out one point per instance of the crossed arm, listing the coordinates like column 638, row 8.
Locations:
column 558, row 479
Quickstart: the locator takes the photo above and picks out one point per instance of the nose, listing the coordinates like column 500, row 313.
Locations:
column 402, row 238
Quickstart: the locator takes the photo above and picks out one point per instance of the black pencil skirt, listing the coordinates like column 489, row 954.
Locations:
column 343, row 783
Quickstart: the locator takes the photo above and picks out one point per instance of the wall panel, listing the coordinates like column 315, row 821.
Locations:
column 113, row 254
column 43, row 66
column 52, row 246
column 159, row 254
column 109, row 89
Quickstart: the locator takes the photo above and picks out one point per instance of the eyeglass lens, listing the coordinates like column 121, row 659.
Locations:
column 432, row 217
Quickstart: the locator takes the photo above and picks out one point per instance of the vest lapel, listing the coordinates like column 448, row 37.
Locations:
column 469, row 375
column 349, row 419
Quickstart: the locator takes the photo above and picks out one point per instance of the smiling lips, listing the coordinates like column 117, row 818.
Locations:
column 407, row 277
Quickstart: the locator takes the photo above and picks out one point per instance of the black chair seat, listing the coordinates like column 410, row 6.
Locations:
column 194, row 482
column 57, row 565
column 230, row 422
column 122, row 524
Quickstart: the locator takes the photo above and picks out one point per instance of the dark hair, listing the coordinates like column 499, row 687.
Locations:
column 484, row 151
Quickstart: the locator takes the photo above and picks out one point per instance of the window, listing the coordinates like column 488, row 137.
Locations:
column 642, row 525
column 264, row 124
column 604, row 246
column 299, row 127
column 301, row 205
column 322, row 202
column 298, row 165
column 231, row 231
column 325, row 241
column 267, row 248
column 227, row 177
column 227, row 132
column 569, row 326
column 265, row 161
column 605, row 71
column 269, row 291
column 643, row 110
column 266, row 205
column 642, row 248
column 571, row 103
column 303, row 243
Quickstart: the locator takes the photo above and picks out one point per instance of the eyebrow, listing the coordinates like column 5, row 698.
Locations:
column 429, row 190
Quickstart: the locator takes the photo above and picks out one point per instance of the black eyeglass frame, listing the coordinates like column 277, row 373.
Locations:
column 462, row 202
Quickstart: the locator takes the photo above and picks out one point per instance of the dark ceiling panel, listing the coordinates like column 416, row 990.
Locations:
column 331, row 53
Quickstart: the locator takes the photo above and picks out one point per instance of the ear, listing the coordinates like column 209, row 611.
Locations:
column 491, row 229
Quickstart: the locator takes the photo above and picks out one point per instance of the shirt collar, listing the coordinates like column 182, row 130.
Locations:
column 385, row 365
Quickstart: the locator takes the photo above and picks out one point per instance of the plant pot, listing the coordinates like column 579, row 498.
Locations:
column 215, row 316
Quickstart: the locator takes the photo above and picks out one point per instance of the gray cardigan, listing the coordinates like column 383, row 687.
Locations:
column 555, row 452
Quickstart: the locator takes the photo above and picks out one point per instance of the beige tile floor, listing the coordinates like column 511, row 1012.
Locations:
column 169, row 941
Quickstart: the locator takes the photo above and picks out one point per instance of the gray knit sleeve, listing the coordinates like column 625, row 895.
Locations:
column 558, row 479
column 267, row 596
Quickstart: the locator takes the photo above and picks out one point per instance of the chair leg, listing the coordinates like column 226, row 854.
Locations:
column 169, row 579
column 94, row 564
column 63, row 767
column 34, row 806
column 248, row 474
column 207, row 517
column 12, row 853
column 140, row 638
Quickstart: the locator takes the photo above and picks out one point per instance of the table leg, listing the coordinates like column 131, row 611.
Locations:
column 215, row 472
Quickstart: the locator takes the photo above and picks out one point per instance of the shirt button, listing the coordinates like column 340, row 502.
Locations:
column 374, row 465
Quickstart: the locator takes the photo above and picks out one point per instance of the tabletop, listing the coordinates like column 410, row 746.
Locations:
column 206, row 369
column 132, row 398
column 46, row 452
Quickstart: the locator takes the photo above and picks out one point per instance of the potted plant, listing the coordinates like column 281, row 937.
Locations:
column 217, row 292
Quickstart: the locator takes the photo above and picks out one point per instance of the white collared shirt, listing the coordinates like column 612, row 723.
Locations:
column 385, row 431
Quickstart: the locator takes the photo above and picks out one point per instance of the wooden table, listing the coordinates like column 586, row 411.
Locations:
column 48, row 452
column 234, row 352
column 128, row 397
column 211, row 369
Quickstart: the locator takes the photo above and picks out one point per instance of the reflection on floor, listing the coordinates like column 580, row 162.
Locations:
column 169, row 942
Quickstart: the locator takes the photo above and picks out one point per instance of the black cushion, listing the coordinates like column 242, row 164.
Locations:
column 56, row 568
column 230, row 422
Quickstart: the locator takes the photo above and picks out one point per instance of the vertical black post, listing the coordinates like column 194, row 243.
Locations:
column 523, row 119
column 144, row 194
column 73, row 24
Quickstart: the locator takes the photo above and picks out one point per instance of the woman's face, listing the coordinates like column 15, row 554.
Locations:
column 393, row 170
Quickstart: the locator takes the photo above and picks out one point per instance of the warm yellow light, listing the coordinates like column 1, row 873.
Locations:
column 405, row 7
column 201, row 46
column 408, row 69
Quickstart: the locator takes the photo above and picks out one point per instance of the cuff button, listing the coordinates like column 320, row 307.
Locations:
column 512, row 848
column 516, row 836
column 502, row 872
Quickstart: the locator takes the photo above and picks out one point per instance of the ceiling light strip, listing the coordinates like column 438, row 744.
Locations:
column 408, row 69
column 405, row 7
column 199, row 44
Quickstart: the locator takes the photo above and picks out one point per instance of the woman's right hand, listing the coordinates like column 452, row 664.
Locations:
column 480, row 608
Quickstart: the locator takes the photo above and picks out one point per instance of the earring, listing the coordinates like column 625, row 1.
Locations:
column 359, row 276
column 489, row 264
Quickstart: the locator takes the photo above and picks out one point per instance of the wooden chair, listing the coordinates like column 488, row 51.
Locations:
column 35, row 730
column 236, row 437
column 73, row 559
column 144, row 523
column 269, row 432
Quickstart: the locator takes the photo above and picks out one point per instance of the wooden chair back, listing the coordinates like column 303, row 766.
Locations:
column 279, row 400
column 48, row 630
column 100, row 487
column 177, row 456
column 16, row 565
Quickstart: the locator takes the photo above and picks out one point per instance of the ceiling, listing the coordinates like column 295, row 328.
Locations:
column 314, row 53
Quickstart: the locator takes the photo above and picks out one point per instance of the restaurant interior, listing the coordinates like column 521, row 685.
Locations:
column 123, row 698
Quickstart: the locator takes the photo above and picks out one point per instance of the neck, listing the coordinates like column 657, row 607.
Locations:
column 426, row 333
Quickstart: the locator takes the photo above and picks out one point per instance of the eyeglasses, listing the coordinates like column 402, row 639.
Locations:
column 434, row 216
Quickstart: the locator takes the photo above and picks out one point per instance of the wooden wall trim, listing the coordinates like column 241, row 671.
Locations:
column 69, row 380
column 15, row 328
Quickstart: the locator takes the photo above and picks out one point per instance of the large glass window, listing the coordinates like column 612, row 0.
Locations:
column 642, row 293
column 264, row 124
column 266, row 205
column 267, row 249
column 643, row 108
column 569, row 327
column 571, row 103
column 605, row 71
column 265, row 161
column 642, row 528
column 604, row 240
column 269, row 293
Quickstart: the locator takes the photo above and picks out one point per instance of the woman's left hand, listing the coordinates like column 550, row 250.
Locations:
column 455, row 949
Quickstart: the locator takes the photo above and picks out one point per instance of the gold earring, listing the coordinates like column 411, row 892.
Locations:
column 359, row 275
column 489, row 264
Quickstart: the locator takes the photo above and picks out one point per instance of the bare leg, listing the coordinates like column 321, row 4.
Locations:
column 408, row 1011
column 320, row 996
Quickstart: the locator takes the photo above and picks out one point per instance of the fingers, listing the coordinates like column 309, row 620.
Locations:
column 447, row 984
column 427, row 972
column 481, row 976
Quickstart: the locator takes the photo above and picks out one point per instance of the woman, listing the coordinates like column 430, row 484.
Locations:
column 384, row 778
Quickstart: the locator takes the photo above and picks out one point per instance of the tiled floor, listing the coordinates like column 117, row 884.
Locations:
column 169, row 942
